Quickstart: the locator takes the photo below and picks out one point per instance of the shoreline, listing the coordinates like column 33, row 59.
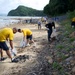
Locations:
column 23, row 20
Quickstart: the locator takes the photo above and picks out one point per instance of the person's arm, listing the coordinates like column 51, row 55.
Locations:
column 11, row 44
column 46, row 25
column 6, row 39
column 54, row 26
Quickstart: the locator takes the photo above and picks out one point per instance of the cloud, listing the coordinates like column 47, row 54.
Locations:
column 7, row 5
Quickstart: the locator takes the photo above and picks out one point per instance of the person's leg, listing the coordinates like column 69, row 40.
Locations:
column 49, row 35
column 30, row 40
column 40, row 26
column 1, row 53
column 5, row 47
column 2, row 58
column 9, row 55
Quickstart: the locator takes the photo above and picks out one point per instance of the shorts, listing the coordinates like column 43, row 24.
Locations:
column 29, row 37
column 4, row 46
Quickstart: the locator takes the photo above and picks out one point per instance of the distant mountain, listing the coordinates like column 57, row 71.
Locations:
column 25, row 11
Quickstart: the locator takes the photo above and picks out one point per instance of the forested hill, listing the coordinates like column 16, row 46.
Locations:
column 25, row 11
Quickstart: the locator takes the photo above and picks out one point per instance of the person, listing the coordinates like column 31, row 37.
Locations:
column 27, row 36
column 39, row 24
column 73, row 22
column 49, row 29
column 7, row 34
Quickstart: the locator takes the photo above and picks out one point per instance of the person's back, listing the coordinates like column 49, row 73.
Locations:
column 27, row 31
column 50, row 25
column 39, row 23
column 5, row 33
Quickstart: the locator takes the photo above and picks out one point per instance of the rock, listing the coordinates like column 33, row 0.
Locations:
column 72, row 34
column 68, row 59
column 55, row 73
column 59, row 59
column 50, row 60
column 73, row 43
column 21, row 58
column 73, row 69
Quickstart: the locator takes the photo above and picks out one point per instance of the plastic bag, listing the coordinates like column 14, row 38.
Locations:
column 13, row 52
column 22, row 44
column 54, row 34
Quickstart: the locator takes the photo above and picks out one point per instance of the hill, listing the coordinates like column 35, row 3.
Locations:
column 25, row 11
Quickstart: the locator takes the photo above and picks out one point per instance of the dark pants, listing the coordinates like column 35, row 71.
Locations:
column 4, row 46
column 29, row 37
column 49, row 34
column 39, row 26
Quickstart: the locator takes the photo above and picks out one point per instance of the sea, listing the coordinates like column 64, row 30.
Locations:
column 9, row 20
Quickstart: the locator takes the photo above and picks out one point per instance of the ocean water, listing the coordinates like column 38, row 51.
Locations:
column 9, row 20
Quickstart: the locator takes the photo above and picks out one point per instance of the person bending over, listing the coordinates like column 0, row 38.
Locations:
column 27, row 36
column 7, row 34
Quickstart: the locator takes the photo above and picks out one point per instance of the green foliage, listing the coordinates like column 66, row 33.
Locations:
column 59, row 46
column 57, row 66
column 25, row 11
column 70, row 15
column 67, row 27
column 71, row 39
column 61, row 55
column 59, row 7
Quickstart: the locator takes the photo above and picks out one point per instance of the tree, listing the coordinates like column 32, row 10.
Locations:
column 57, row 7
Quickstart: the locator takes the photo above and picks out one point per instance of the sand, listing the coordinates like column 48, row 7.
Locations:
column 23, row 68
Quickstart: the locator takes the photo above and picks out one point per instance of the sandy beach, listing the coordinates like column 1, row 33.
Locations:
column 25, row 67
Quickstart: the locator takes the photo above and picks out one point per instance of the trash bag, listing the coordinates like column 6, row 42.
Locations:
column 54, row 34
column 22, row 44
column 13, row 52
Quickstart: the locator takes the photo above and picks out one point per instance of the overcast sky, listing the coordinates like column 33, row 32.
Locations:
column 7, row 5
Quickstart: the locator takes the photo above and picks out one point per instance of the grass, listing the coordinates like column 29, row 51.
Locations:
column 59, row 46
column 71, row 39
column 57, row 66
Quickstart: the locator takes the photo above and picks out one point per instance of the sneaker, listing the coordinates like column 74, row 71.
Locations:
column 14, row 60
column 2, row 59
column 28, row 44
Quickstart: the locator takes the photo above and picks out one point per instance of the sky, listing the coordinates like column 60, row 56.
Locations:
column 7, row 5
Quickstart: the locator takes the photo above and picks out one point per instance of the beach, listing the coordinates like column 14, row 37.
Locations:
column 26, row 66
column 8, row 68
